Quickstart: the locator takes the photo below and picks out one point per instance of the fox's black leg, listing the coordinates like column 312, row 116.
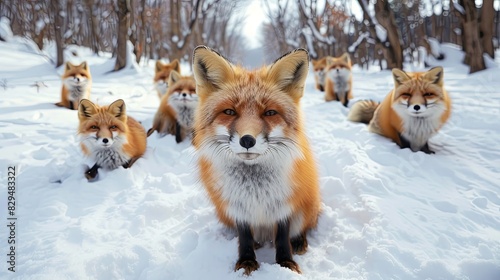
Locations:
column 91, row 174
column 246, row 259
column 284, row 248
column 71, row 105
column 426, row 149
column 130, row 162
column 345, row 99
column 178, row 136
column 321, row 88
column 299, row 244
column 404, row 143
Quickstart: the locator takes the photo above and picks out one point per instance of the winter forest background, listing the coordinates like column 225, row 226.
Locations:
column 385, row 32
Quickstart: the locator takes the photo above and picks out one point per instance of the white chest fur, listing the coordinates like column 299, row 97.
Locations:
column 418, row 130
column 77, row 91
column 256, row 194
column 185, row 115
column 110, row 158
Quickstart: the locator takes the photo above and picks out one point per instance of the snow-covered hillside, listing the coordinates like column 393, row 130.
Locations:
column 387, row 213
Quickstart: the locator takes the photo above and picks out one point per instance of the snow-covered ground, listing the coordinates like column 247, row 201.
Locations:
column 387, row 213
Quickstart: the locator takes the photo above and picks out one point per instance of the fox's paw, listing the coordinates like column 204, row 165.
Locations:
column 427, row 150
column 91, row 175
column 248, row 265
column 290, row 264
column 299, row 244
column 150, row 131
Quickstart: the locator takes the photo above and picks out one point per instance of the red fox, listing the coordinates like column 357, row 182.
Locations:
column 77, row 83
column 162, row 72
column 176, row 112
column 319, row 72
column 411, row 113
column 109, row 137
column 338, row 82
column 255, row 161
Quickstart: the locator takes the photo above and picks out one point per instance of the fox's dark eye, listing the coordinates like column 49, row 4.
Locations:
column 113, row 127
column 406, row 94
column 270, row 113
column 229, row 112
column 428, row 94
column 94, row 127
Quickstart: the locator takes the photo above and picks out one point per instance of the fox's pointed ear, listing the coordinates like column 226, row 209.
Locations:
column 68, row 65
column 83, row 65
column 86, row 109
column 346, row 58
column 289, row 72
column 435, row 75
column 174, row 77
column 329, row 60
column 176, row 65
column 158, row 66
column 210, row 69
column 117, row 109
column 399, row 76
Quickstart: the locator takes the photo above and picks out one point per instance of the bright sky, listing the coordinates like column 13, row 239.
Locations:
column 254, row 17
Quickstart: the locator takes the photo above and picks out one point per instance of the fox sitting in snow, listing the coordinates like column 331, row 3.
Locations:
column 109, row 137
column 411, row 113
column 176, row 112
column 338, row 81
column 255, row 161
column 162, row 74
column 319, row 73
column 77, row 83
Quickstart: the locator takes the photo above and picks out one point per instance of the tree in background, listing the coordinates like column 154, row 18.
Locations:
column 57, row 23
column 487, row 20
column 466, row 10
column 156, row 28
column 388, row 33
column 123, row 15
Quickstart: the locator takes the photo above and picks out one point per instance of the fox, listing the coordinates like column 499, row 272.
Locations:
column 319, row 73
column 162, row 73
column 109, row 137
column 176, row 112
column 254, row 159
column 411, row 113
column 338, row 80
column 76, row 85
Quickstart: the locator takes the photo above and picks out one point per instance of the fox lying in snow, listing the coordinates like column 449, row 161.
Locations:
column 411, row 113
column 109, row 137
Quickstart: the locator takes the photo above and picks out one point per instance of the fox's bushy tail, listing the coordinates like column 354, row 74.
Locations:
column 362, row 111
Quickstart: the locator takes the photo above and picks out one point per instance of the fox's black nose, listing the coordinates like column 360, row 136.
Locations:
column 184, row 94
column 416, row 107
column 105, row 140
column 247, row 141
column 77, row 79
column 338, row 70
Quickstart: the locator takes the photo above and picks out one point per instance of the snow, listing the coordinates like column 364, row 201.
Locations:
column 5, row 30
column 379, row 29
column 435, row 47
column 387, row 213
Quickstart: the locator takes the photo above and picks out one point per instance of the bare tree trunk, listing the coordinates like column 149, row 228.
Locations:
column 394, row 52
column 58, row 23
column 472, row 44
column 487, row 27
column 139, row 48
column 123, row 13
column 94, row 38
